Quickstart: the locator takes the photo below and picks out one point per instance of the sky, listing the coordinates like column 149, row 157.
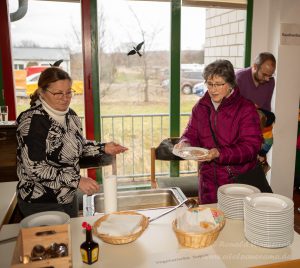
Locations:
column 53, row 24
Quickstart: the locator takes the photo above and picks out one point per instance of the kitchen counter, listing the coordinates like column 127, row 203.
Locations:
column 8, row 200
column 158, row 247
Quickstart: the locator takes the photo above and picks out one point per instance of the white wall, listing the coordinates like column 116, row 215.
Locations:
column 267, row 17
column 260, row 27
column 225, row 35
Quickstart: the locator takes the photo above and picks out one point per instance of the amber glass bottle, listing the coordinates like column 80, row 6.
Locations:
column 89, row 249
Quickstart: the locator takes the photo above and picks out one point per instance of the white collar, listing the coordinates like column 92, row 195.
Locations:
column 53, row 111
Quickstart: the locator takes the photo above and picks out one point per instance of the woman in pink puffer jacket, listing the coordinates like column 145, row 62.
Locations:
column 235, row 124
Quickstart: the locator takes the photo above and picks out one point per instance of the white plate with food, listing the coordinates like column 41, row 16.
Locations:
column 191, row 153
column 45, row 218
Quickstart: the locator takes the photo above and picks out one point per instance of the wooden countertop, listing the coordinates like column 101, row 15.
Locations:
column 8, row 124
column 158, row 247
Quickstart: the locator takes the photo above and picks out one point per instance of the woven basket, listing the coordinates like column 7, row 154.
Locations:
column 119, row 240
column 200, row 240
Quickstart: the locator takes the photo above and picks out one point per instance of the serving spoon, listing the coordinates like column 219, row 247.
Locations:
column 190, row 203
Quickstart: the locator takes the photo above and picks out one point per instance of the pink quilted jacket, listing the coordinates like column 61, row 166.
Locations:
column 237, row 130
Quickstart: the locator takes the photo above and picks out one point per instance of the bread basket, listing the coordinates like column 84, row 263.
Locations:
column 119, row 240
column 200, row 240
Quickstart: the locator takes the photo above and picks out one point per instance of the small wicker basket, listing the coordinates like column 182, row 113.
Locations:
column 119, row 240
column 200, row 240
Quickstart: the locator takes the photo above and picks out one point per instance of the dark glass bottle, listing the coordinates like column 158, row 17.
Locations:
column 89, row 249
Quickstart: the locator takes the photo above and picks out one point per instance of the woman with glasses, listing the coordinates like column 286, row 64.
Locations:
column 50, row 144
column 225, row 123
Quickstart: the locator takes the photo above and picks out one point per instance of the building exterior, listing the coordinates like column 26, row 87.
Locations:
column 40, row 56
column 225, row 35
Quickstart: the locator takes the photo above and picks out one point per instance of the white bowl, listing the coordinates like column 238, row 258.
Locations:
column 45, row 218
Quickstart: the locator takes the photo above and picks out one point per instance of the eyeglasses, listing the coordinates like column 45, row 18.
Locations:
column 217, row 85
column 60, row 95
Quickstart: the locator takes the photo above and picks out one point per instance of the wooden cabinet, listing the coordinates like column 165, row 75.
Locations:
column 8, row 152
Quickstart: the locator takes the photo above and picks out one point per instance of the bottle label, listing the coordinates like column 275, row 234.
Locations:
column 95, row 253
column 84, row 255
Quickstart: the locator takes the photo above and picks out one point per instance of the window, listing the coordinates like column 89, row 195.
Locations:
column 131, row 86
column 135, row 89
column 49, row 40
column 19, row 66
column 222, row 37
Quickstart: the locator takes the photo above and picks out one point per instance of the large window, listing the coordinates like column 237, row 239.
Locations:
column 139, row 85
column 49, row 31
column 134, row 64
column 135, row 78
column 222, row 36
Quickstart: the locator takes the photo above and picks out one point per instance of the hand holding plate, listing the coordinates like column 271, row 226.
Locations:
column 211, row 155
column 191, row 153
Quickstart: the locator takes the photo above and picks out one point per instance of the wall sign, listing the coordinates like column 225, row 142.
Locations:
column 290, row 34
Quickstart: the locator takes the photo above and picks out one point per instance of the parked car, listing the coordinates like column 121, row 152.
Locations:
column 199, row 89
column 32, row 80
column 187, row 81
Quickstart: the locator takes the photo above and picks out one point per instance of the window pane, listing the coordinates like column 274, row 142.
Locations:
column 49, row 31
column 134, row 88
column 208, row 34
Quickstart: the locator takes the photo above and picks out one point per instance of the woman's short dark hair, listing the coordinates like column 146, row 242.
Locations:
column 222, row 68
column 48, row 76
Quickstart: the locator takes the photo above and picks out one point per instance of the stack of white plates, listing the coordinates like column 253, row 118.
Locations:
column 269, row 220
column 231, row 199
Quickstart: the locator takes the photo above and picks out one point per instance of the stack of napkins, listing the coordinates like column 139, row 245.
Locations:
column 196, row 221
column 120, row 225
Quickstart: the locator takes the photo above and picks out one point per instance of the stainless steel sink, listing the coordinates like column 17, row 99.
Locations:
column 135, row 200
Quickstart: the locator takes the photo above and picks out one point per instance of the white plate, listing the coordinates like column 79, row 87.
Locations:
column 268, row 244
column 271, row 233
column 269, row 202
column 269, row 215
column 45, row 218
column 266, row 238
column 190, row 153
column 237, row 190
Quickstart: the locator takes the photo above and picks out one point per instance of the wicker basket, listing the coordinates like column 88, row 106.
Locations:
column 119, row 240
column 200, row 240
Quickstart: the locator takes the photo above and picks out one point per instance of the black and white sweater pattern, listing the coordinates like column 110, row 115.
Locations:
column 48, row 155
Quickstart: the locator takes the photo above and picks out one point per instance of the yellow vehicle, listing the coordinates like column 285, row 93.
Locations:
column 32, row 80
column 20, row 82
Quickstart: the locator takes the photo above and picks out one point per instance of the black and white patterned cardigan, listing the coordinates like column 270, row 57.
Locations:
column 48, row 155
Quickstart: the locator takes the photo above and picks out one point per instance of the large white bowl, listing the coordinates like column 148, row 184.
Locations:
column 45, row 218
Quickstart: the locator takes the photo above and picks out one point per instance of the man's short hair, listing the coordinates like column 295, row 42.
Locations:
column 264, row 56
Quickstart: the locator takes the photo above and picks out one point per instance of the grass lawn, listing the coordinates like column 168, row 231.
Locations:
column 116, row 107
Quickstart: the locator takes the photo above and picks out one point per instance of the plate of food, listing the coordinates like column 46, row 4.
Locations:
column 190, row 153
